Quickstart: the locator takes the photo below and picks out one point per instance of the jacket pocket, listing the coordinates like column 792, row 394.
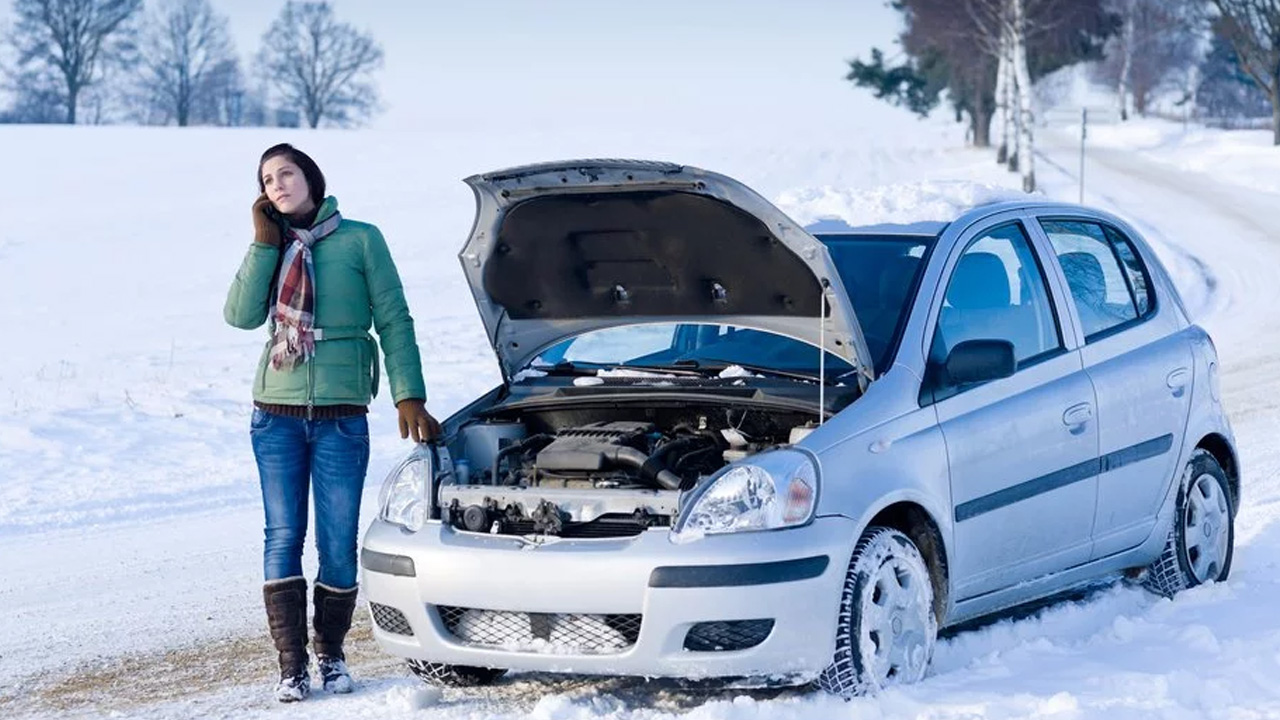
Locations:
column 372, row 364
column 341, row 372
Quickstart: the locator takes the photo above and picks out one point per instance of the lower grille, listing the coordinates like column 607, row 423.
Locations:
column 727, row 635
column 594, row 529
column 390, row 619
column 550, row 633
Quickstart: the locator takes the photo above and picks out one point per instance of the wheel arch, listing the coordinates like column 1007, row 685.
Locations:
column 1220, row 448
column 914, row 521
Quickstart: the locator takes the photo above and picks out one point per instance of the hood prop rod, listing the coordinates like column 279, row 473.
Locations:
column 822, row 354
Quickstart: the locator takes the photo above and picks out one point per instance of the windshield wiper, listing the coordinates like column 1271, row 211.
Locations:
column 567, row 367
column 714, row 368
column 589, row 369
column 688, row 367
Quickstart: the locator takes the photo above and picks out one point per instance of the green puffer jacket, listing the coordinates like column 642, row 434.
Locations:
column 356, row 284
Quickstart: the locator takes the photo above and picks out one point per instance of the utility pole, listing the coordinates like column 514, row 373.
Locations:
column 1084, row 132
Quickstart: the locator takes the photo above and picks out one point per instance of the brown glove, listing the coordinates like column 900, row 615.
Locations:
column 265, row 228
column 415, row 419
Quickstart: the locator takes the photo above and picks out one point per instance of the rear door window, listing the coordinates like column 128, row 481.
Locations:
column 1108, row 284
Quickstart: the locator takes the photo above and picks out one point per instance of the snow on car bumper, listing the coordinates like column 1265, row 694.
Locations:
column 432, row 591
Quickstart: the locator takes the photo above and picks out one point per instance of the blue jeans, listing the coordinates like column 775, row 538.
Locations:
column 332, row 455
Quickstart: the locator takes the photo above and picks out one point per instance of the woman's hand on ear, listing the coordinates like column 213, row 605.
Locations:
column 265, row 228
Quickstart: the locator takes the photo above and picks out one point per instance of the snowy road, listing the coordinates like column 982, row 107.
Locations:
column 159, row 618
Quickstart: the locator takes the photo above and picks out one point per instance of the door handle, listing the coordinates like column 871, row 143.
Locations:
column 1177, row 381
column 1077, row 415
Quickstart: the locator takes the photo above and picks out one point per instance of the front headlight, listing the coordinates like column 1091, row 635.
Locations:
column 774, row 490
column 406, row 495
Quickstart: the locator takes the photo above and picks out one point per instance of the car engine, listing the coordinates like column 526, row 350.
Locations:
column 604, row 478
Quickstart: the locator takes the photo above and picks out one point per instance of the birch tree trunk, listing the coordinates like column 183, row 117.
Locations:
column 1126, row 60
column 1026, row 141
column 1015, row 117
column 1002, row 96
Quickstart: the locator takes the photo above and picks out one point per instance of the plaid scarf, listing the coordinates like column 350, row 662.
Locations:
column 293, row 339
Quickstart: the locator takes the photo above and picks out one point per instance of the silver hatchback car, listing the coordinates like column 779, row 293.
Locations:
column 728, row 445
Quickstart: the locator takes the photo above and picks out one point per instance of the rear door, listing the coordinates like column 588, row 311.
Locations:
column 1022, row 450
column 1141, row 368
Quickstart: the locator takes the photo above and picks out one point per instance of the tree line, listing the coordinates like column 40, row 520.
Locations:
column 1221, row 57
column 173, row 62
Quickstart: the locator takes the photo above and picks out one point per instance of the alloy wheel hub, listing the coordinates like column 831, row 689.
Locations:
column 1206, row 526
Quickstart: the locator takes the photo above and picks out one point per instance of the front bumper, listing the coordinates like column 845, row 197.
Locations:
column 793, row 577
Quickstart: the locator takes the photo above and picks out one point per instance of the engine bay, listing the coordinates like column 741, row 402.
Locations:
column 597, row 471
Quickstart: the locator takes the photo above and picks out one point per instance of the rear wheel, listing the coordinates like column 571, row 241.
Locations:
column 886, row 627
column 444, row 675
column 1202, row 541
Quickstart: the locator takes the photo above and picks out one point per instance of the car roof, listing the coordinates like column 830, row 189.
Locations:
column 979, row 212
column 966, row 216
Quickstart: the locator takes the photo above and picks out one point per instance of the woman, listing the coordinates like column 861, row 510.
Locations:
column 319, row 280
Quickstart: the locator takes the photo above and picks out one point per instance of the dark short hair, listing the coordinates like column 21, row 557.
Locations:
column 310, row 170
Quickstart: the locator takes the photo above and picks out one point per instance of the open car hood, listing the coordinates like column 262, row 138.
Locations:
column 562, row 248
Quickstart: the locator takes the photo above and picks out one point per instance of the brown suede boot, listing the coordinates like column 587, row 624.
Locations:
column 286, row 602
column 333, row 610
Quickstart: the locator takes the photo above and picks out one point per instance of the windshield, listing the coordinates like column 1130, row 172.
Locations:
column 880, row 274
column 691, row 345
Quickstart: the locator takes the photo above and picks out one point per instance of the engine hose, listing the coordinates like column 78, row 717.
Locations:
column 693, row 456
column 634, row 458
column 679, row 448
column 516, row 447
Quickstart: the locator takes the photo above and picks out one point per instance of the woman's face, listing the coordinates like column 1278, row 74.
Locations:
column 286, row 186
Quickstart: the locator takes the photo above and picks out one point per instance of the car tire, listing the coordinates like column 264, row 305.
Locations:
column 443, row 675
column 886, row 627
column 1202, row 542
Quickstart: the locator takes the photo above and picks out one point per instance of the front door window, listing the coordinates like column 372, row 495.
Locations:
column 997, row 291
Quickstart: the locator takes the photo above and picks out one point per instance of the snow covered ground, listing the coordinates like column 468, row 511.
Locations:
column 129, row 510
column 1242, row 158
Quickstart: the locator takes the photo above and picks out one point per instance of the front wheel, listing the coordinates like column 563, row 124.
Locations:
column 1202, row 541
column 886, row 628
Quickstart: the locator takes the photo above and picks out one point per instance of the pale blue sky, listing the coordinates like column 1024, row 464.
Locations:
column 541, row 60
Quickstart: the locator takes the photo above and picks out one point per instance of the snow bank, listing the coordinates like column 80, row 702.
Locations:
column 900, row 203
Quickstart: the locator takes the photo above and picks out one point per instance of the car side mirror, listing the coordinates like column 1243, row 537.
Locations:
column 975, row 361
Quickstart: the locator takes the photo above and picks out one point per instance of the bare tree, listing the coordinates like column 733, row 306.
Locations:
column 76, row 38
column 1002, row 31
column 1159, row 42
column 1026, row 163
column 224, row 99
column 1004, row 95
column 1252, row 27
column 185, row 52
column 981, row 54
column 321, row 67
column 991, row 33
column 37, row 98
column 1226, row 94
column 1127, row 10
